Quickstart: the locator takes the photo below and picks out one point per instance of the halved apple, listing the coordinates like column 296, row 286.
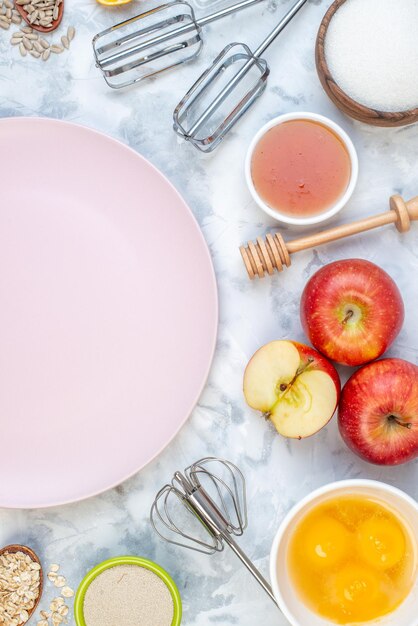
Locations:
column 294, row 386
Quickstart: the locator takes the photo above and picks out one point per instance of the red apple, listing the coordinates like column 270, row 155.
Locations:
column 294, row 386
column 378, row 414
column 351, row 311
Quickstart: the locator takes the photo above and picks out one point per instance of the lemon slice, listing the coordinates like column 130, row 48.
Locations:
column 113, row 3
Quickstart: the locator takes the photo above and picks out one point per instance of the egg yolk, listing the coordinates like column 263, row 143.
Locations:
column 352, row 560
column 327, row 542
column 381, row 542
column 356, row 584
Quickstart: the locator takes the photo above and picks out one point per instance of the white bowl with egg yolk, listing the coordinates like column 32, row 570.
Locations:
column 296, row 612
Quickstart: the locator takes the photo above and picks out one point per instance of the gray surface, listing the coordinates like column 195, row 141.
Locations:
column 216, row 590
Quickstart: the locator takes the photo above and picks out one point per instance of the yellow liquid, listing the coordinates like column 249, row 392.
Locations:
column 352, row 560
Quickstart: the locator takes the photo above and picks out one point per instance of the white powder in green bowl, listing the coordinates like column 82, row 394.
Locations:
column 128, row 595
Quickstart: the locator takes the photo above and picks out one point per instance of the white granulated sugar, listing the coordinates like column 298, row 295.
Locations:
column 371, row 49
column 128, row 595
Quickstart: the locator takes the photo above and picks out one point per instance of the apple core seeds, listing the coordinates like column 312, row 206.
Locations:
column 128, row 595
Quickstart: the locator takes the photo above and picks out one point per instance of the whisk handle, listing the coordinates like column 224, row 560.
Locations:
column 278, row 29
column 202, row 21
column 224, row 93
column 249, row 565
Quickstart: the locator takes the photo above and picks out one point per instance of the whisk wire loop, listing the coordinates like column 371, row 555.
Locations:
column 203, row 126
column 212, row 492
column 154, row 41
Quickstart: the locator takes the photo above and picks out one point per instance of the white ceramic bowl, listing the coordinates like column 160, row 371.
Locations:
column 320, row 217
column 287, row 598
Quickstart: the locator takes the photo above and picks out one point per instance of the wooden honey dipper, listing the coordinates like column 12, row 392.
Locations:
column 273, row 253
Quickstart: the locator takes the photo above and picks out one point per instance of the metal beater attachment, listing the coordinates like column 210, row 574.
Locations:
column 203, row 509
column 154, row 41
column 225, row 91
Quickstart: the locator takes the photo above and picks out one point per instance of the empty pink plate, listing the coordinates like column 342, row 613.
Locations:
column 108, row 312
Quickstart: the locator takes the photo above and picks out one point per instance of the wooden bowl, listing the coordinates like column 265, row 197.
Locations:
column 343, row 101
column 41, row 29
column 34, row 557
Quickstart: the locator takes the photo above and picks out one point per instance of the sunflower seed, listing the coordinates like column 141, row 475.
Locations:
column 71, row 33
column 65, row 41
column 57, row 49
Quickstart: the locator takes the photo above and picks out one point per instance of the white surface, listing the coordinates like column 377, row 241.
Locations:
column 216, row 590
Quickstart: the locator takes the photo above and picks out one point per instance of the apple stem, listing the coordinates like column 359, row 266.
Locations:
column 284, row 388
column 349, row 315
column 393, row 418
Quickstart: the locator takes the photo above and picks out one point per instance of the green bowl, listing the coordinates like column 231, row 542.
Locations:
column 126, row 560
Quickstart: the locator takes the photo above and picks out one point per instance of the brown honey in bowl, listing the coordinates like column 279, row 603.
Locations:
column 300, row 168
column 352, row 559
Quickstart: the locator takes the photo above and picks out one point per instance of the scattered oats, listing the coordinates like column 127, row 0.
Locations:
column 54, row 567
column 55, row 604
column 60, row 581
column 43, row 622
column 44, row 614
column 52, row 576
column 67, row 592
column 63, row 610
column 56, row 619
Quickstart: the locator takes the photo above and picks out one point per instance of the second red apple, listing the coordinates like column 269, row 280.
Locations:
column 352, row 311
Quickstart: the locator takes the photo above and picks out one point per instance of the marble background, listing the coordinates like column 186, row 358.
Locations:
column 217, row 590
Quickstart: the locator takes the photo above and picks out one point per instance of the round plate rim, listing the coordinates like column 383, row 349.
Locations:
column 120, row 145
